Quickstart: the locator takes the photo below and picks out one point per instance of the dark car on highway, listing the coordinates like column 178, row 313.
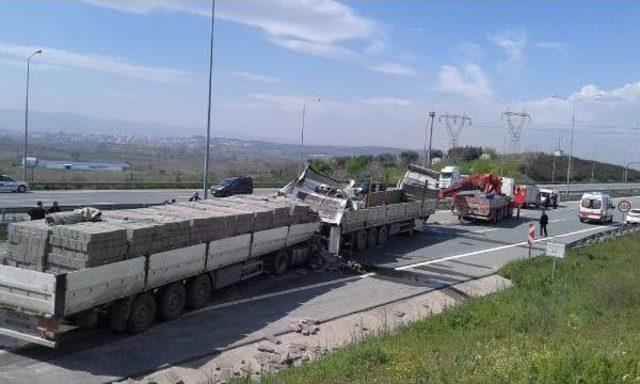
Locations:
column 242, row 185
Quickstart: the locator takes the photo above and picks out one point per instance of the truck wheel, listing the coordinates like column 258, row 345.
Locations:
column 372, row 238
column 361, row 240
column 383, row 235
column 142, row 313
column 198, row 291
column 172, row 301
column 278, row 263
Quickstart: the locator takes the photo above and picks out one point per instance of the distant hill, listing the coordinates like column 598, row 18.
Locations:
column 538, row 167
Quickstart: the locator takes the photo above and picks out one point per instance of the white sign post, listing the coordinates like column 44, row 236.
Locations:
column 624, row 206
column 555, row 251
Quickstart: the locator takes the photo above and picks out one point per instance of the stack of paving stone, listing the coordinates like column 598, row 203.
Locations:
column 206, row 225
column 124, row 234
column 142, row 236
column 171, row 232
column 28, row 244
column 85, row 245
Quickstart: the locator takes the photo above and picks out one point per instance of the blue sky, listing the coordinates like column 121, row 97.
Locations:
column 378, row 67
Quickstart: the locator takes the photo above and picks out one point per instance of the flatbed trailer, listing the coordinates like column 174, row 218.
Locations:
column 368, row 223
column 41, row 307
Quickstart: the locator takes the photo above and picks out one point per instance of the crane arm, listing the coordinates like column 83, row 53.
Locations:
column 485, row 182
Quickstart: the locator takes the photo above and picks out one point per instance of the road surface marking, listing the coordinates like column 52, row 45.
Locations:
column 434, row 261
column 371, row 274
column 557, row 221
column 485, row 230
column 280, row 293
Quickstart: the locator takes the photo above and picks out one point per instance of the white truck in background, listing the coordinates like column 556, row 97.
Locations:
column 449, row 175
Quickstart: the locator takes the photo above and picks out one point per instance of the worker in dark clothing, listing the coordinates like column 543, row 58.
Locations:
column 195, row 197
column 544, row 220
column 54, row 208
column 38, row 213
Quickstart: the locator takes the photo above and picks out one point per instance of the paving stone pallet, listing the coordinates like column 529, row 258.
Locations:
column 131, row 233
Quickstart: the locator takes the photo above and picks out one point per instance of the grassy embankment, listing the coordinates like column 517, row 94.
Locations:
column 582, row 327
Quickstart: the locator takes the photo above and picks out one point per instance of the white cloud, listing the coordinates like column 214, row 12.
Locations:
column 395, row 69
column 389, row 102
column 553, row 47
column 99, row 63
column 255, row 77
column 471, row 82
column 327, row 51
column 313, row 27
column 513, row 42
column 471, row 50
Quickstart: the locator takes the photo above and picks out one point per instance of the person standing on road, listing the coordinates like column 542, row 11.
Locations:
column 55, row 208
column 195, row 197
column 38, row 213
column 544, row 220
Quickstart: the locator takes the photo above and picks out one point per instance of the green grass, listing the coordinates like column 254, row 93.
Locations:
column 581, row 327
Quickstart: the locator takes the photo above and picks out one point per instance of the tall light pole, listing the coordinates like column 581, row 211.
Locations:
column 573, row 124
column 432, row 115
column 626, row 169
column 304, row 112
column 205, row 176
column 26, row 114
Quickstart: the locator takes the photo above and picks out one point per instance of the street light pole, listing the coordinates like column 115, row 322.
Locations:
column 304, row 112
column 26, row 114
column 205, row 176
column 626, row 169
column 573, row 124
column 432, row 115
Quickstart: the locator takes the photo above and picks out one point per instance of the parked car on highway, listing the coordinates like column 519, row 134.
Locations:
column 633, row 216
column 242, row 185
column 9, row 184
column 596, row 206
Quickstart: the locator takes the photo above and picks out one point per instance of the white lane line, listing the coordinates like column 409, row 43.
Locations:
column 280, row 293
column 557, row 221
column 485, row 230
column 434, row 261
column 371, row 274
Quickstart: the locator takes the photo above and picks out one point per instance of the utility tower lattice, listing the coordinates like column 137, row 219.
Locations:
column 515, row 121
column 455, row 124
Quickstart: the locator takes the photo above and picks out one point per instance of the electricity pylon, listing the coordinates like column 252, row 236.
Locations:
column 515, row 121
column 455, row 124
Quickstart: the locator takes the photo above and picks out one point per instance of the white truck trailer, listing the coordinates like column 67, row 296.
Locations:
column 367, row 222
column 40, row 302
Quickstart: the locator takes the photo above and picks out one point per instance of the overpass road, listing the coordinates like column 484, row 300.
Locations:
column 445, row 253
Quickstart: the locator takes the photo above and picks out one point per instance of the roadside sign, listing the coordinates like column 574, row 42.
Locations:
column 624, row 206
column 555, row 250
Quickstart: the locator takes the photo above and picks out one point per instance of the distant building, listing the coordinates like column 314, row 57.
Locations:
column 84, row 165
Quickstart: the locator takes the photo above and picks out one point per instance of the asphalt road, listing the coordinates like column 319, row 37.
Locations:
column 445, row 253
column 131, row 196
column 86, row 197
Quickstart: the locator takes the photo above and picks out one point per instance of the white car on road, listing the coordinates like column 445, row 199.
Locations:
column 9, row 184
column 633, row 216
